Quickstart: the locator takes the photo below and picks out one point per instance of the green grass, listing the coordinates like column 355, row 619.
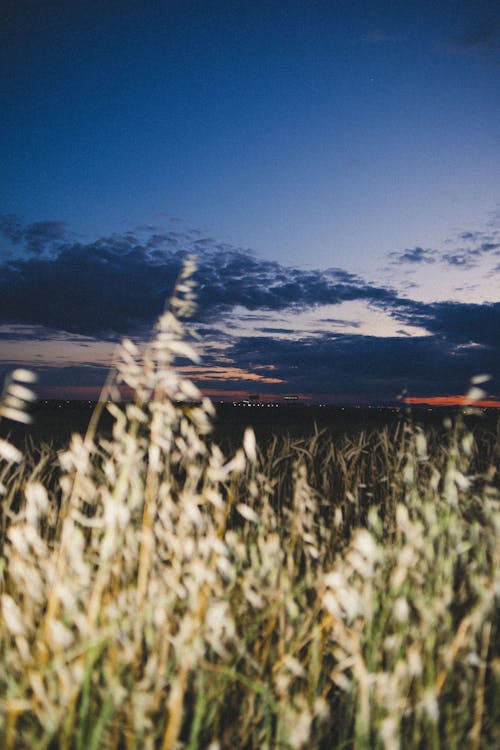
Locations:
column 316, row 594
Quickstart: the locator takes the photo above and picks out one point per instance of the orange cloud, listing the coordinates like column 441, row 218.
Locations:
column 451, row 401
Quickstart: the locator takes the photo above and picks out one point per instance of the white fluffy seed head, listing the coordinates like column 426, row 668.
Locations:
column 249, row 445
column 21, row 392
column 60, row 637
column 365, row 544
column 401, row 609
column 37, row 502
column 478, row 379
column 421, row 446
column 247, row 512
column 9, row 453
column 15, row 414
column 24, row 376
column 475, row 394
column 12, row 616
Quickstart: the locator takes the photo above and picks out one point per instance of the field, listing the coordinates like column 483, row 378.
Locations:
column 329, row 587
column 54, row 422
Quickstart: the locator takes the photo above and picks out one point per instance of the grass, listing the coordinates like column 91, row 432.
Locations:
column 156, row 593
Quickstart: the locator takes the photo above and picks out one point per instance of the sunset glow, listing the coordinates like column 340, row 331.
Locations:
column 452, row 401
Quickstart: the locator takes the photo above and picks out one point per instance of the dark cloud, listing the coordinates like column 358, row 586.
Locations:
column 409, row 285
column 339, row 274
column 286, row 331
column 470, row 235
column 11, row 228
column 457, row 322
column 35, row 238
column 42, row 234
column 481, row 40
column 467, row 323
column 342, row 322
column 480, row 245
column 414, row 255
column 119, row 284
column 478, row 238
column 480, row 36
column 470, row 247
column 464, row 260
column 108, row 287
column 233, row 277
column 367, row 365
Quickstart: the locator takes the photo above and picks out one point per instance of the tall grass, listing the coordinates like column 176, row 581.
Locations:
column 158, row 594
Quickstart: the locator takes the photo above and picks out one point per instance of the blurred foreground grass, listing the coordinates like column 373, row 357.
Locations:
column 156, row 593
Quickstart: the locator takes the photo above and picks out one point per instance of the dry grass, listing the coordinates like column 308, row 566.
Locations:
column 156, row 594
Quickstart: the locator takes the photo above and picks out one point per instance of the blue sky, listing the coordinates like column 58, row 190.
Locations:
column 279, row 141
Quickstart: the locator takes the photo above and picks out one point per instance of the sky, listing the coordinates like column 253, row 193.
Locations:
column 332, row 165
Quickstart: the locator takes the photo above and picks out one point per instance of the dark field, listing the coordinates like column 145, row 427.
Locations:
column 55, row 421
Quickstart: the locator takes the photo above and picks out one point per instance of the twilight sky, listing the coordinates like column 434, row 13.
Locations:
column 333, row 165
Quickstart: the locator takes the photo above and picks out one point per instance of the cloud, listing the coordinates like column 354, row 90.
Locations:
column 414, row 255
column 342, row 322
column 470, row 248
column 28, row 333
column 463, row 260
column 346, row 366
column 479, row 245
column 365, row 365
column 479, row 239
column 86, row 289
column 467, row 323
column 11, row 228
column 284, row 331
column 235, row 278
column 470, row 235
column 456, row 322
column 35, row 237
column 118, row 284
column 481, row 35
column 344, row 276
column 481, row 40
